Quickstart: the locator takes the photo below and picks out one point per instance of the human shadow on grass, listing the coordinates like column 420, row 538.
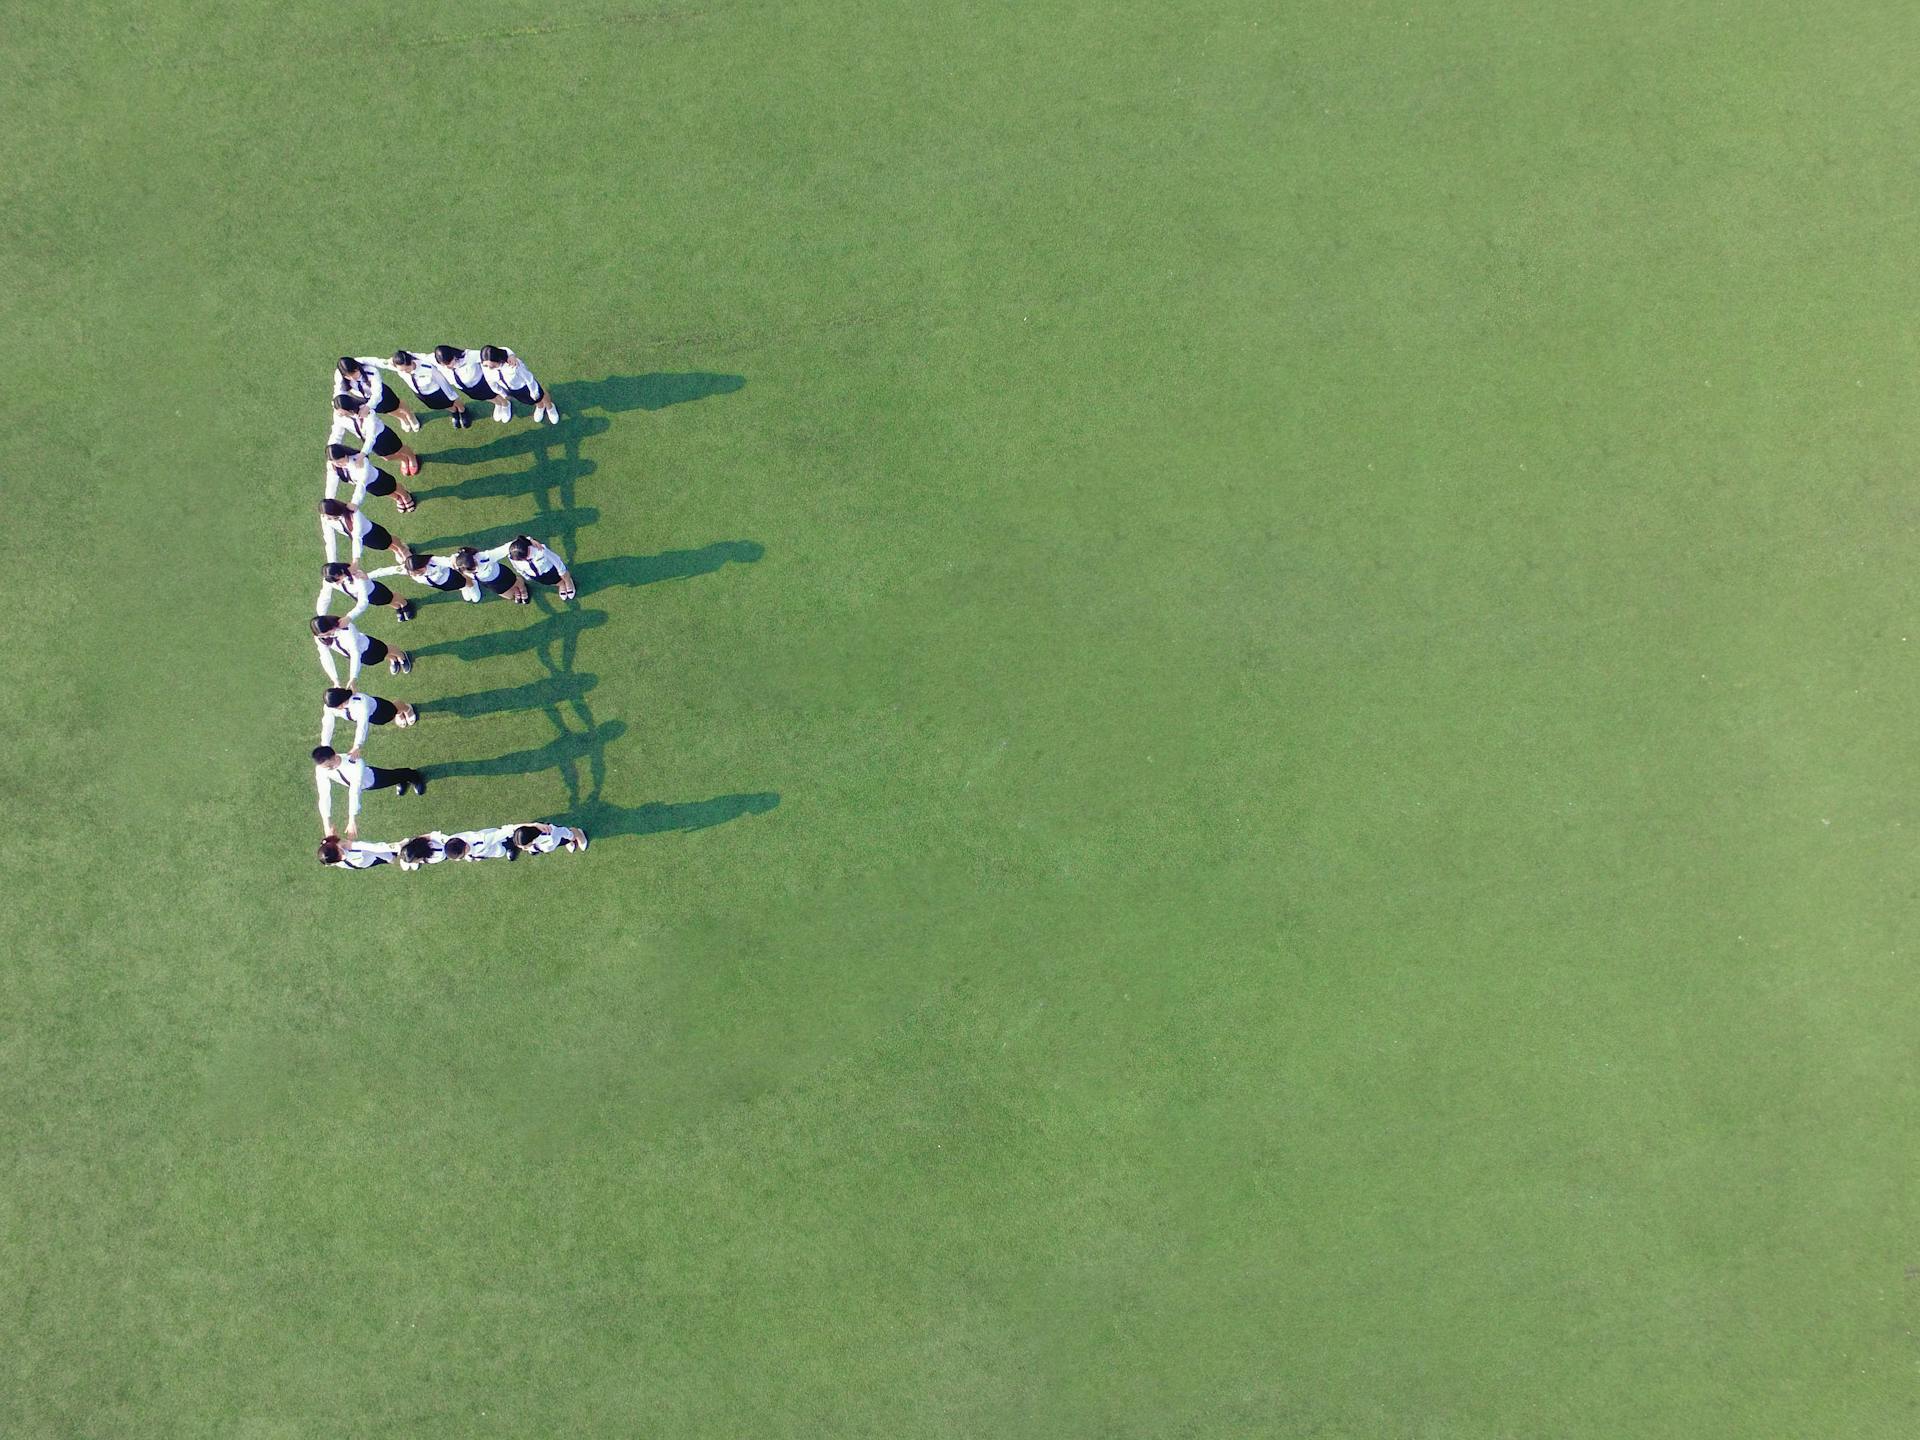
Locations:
column 535, row 695
column 544, row 525
column 563, row 750
column 603, row 821
column 597, row 575
column 561, row 627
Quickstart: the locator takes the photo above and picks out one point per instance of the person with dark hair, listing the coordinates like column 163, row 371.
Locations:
column 339, row 518
column 355, row 776
column 359, row 587
column 338, row 703
column 491, row 844
column 356, row 854
column 348, row 466
column 353, row 416
column 426, row 380
column 334, row 636
column 437, row 571
column 536, row 562
column 488, row 571
column 453, row 848
column 540, row 838
column 510, row 379
column 427, row 849
column 360, row 378
column 461, row 369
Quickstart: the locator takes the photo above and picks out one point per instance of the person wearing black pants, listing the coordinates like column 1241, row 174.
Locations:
column 356, row 777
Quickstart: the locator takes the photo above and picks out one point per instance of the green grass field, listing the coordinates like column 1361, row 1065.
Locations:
column 1246, row 687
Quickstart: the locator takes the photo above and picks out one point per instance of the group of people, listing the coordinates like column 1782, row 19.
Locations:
column 361, row 397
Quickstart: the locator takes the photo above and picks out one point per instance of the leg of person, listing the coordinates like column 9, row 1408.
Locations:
column 404, row 714
column 384, row 712
column 374, row 651
column 399, row 662
column 409, row 466
column 378, row 537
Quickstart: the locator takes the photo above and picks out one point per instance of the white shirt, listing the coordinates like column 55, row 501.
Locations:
column 356, row 525
column 513, row 375
column 351, row 774
column 358, row 709
column 540, row 559
column 366, row 386
column 494, row 844
column 347, row 642
column 425, row 378
column 552, row 837
column 357, row 588
column 465, row 369
column 487, row 567
column 366, row 430
column 439, row 851
column 360, row 469
column 364, row 855
column 438, row 572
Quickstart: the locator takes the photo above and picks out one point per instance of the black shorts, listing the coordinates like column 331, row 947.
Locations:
column 388, row 401
column 387, row 444
column 373, row 652
column 383, row 712
column 482, row 391
column 439, row 400
column 455, row 581
column 381, row 483
column 527, row 397
column 378, row 537
column 378, row 779
column 378, row 593
column 546, row 577
column 501, row 583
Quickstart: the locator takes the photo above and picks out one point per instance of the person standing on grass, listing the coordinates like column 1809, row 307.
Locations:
column 360, row 378
column 356, row 854
column 427, row 849
column 338, row 703
column 355, row 776
column 536, row 562
column 495, row 843
column 426, row 380
column 334, row 636
column 437, row 571
column 348, row 466
column 339, row 518
column 353, row 416
column 461, row 369
column 541, row 838
column 359, row 587
column 487, row 570
column 510, row 379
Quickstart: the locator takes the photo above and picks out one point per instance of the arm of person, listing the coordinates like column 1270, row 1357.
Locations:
column 353, row 658
column 353, row 812
column 326, row 661
column 386, row 570
column 327, row 532
column 327, row 717
column 360, row 729
column 332, row 478
column 325, row 787
column 360, row 491
column 498, row 552
column 470, row 592
column 323, row 601
column 355, row 557
column 362, row 598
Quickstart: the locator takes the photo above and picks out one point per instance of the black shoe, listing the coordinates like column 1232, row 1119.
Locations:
column 405, row 611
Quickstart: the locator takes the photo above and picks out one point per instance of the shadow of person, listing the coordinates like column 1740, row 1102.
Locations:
column 656, row 391
column 542, row 525
column 560, row 627
column 571, row 430
column 495, row 485
column 597, row 575
column 603, row 821
column 536, row 695
column 562, row 751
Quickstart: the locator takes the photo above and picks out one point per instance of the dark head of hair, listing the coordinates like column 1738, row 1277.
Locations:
column 335, row 696
column 465, row 558
column 335, row 507
column 349, row 368
column 416, row 562
column 322, row 754
column 418, row 848
column 348, row 403
column 513, row 850
column 402, row 360
column 334, row 571
column 324, row 624
column 340, row 452
column 455, row 848
column 493, row 355
column 526, row 835
column 446, row 354
column 331, row 851
column 520, row 547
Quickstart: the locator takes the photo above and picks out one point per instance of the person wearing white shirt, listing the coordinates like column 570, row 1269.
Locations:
column 427, row 380
column 427, row 849
column 360, row 377
column 356, row 854
column 338, row 518
column 437, row 571
column 359, row 587
column 541, row 838
column 353, row 416
column 355, row 776
column 489, row 572
column 492, row 844
column 338, row 703
column 536, row 562
column 348, row 466
column 462, row 369
column 510, row 379
column 333, row 636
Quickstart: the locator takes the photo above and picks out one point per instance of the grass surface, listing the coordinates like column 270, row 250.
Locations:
column 1248, row 703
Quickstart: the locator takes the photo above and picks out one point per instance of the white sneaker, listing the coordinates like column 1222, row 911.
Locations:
column 502, row 411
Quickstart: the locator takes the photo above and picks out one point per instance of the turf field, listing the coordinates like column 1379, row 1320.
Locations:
column 1245, row 683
